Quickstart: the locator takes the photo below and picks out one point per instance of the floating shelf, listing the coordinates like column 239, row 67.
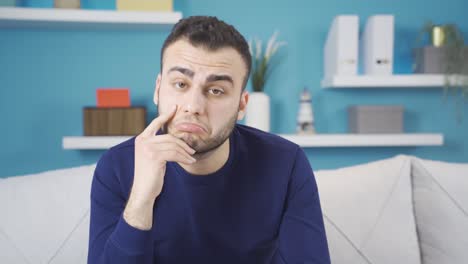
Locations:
column 391, row 81
column 306, row 141
column 85, row 18
column 101, row 142
column 367, row 140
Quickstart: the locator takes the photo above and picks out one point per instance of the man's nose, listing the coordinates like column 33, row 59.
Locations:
column 194, row 102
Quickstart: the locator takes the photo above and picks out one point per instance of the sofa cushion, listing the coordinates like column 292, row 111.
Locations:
column 368, row 212
column 440, row 191
column 43, row 216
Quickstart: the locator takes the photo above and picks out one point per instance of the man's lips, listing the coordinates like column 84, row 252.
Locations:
column 190, row 127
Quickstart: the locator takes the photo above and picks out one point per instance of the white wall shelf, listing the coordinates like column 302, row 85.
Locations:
column 367, row 140
column 95, row 142
column 307, row 141
column 391, row 81
column 85, row 18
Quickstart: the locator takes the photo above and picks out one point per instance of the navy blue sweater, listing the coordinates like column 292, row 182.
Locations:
column 262, row 206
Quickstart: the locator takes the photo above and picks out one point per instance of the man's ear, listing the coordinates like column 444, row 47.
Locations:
column 156, row 89
column 243, row 105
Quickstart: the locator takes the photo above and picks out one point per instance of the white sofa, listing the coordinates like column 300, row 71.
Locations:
column 45, row 216
column 398, row 210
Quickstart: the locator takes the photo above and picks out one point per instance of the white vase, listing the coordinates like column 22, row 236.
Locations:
column 258, row 111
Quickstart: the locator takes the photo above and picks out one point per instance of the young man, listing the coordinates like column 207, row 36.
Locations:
column 195, row 187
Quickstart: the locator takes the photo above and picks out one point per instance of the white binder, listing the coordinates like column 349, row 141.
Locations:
column 341, row 47
column 377, row 45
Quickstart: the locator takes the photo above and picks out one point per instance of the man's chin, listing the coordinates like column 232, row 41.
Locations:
column 189, row 138
column 196, row 142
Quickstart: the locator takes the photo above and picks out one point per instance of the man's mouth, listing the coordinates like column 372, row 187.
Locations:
column 190, row 127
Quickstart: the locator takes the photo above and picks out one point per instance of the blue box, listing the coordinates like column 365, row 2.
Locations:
column 98, row 4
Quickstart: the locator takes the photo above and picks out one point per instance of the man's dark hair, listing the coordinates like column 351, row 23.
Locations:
column 212, row 34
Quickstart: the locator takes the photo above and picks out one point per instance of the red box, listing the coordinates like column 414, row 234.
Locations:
column 113, row 97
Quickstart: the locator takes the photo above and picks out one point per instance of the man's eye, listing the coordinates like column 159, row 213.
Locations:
column 180, row 85
column 216, row 91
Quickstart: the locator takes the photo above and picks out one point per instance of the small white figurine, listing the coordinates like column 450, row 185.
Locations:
column 305, row 115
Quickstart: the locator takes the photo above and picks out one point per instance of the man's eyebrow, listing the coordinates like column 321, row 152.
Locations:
column 182, row 70
column 214, row 78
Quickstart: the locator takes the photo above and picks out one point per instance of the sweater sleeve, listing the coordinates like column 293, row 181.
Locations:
column 302, row 237
column 111, row 238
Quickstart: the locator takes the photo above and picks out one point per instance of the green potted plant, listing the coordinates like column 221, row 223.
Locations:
column 446, row 54
column 263, row 62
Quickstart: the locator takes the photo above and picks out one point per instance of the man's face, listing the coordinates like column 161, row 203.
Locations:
column 206, row 86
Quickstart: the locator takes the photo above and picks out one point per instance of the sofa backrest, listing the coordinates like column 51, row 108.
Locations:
column 368, row 212
column 440, row 191
column 378, row 212
column 398, row 210
column 45, row 216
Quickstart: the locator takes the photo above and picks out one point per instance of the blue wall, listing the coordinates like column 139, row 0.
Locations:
column 47, row 76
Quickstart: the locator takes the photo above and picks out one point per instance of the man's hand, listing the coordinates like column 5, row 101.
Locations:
column 152, row 152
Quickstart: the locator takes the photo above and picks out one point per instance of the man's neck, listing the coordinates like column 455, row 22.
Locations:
column 209, row 162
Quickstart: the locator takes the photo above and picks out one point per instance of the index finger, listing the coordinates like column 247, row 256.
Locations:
column 158, row 122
